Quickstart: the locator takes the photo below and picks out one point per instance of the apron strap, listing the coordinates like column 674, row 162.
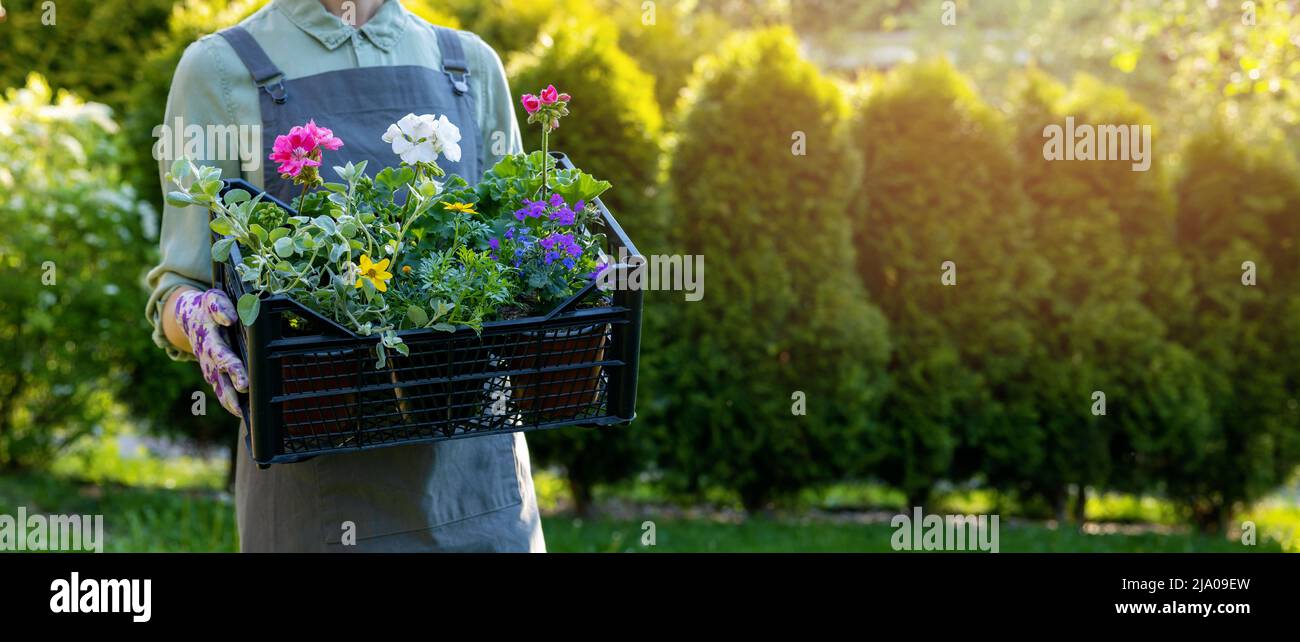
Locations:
column 258, row 63
column 453, row 59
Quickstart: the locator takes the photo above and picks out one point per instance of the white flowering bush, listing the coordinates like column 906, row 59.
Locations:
column 73, row 246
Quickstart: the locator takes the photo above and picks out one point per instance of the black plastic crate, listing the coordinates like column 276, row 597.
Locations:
column 314, row 388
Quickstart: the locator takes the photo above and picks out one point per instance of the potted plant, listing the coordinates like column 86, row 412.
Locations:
column 544, row 224
column 451, row 283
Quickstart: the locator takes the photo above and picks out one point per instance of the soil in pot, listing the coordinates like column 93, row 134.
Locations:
column 558, row 395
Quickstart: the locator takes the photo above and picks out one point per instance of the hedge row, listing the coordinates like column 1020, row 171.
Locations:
column 1073, row 280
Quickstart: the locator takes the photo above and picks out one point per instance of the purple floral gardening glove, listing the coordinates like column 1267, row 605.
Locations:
column 200, row 315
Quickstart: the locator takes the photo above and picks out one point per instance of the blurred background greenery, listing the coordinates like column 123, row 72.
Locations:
column 923, row 138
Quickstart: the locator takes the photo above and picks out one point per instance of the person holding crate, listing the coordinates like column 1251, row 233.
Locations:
column 281, row 66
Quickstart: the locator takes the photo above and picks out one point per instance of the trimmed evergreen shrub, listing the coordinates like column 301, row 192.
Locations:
column 783, row 316
column 1117, row 289
column 1238, row 203
column 938, row 200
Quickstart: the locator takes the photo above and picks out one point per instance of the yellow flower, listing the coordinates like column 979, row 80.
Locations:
column 376, row 273
column 465, row 208
column 406, row 269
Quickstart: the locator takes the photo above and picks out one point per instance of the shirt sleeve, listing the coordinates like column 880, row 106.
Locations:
column 198, row 100
column 498, row 123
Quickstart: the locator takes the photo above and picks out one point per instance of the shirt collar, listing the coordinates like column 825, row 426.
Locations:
column 383, row 30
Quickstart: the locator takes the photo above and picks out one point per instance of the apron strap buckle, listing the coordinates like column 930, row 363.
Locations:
column 265, row 74
column 459, row 80
column 277, row 90
column 454, row 63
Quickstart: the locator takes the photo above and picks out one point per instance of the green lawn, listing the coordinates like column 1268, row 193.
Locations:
column 160, row 519
column 762, row 534
column 135, row 519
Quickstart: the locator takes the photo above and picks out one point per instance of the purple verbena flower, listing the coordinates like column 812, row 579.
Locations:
column 531, row 209
column 563, row 216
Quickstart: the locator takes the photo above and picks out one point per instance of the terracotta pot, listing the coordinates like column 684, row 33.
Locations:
column 443, row 406
column 558, row 395
column 321, row 415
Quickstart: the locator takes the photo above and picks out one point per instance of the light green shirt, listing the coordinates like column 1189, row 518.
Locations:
column 212, row 88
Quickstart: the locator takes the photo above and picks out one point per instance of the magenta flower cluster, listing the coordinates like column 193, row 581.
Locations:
column 301, row 148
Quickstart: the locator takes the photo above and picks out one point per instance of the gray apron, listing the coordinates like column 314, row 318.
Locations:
column 464, row 495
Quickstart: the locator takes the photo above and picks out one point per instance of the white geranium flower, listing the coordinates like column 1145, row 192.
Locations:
column 419, row 139
column 449, row 136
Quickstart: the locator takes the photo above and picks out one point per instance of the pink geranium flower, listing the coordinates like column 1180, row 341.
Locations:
column 531, row 103
column 549, row 95
column 301, row 148
column 324, row 137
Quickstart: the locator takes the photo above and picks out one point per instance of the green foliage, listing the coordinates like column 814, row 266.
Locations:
column 110, row 459
column 90, row 47
column 147, row 102
column 136, row 519
column 198, row 520
column 783, row 313
column 616, row 131
column 1106, row 322
column 465, row 285
column 1233, row 191
column 1189, row 61
column 961, row 371
column 669, row 45
column 503, row 188
column 526, row 225
column 513, row 25
column 70, row 322
column 811, row 535
column 334, row 254
column 1238, row 203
